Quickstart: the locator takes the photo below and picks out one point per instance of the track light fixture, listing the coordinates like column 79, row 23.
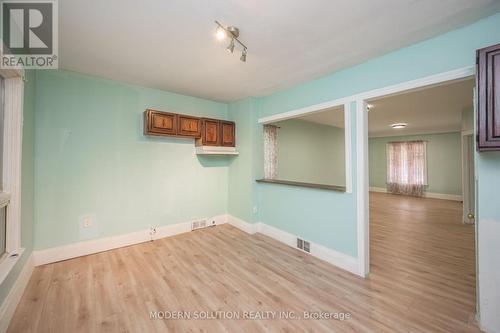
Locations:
column 244, row 55
column 233, row 33
column 230, row 47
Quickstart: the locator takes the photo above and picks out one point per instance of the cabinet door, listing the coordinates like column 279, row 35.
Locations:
column 189, row 126
column 160, row 123
column 211, row 133
column 488, row 98
column 227, row 134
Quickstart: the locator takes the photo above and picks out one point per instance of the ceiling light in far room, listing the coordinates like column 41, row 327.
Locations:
column 399, row 125
column 230, row 47
column 244, row 55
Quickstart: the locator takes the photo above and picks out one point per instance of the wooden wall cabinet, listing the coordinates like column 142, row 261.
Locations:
column 488, row 98
column 228, row 135
column 171, row 124
column 217, row 133
column 160, row 123
column 213, row 136
column 189, row 126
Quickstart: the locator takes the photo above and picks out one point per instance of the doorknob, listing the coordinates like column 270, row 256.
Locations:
column 470, row 216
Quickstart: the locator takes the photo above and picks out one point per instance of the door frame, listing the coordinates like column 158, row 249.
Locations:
column 363, row 213
column 467, row 186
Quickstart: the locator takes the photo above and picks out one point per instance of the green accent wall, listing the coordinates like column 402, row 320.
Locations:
column 93, row 159
column 311, row 152
column 444, row 161
column 329, row 218
column 27, row 183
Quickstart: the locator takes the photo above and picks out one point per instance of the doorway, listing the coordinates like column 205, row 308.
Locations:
column 402, row 242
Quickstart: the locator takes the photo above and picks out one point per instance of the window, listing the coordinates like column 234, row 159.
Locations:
column 11, row 112
column 407, row 167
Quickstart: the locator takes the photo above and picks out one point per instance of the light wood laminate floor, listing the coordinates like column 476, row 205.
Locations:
column 422, row 280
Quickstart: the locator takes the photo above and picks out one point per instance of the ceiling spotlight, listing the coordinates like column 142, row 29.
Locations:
column 399, row 125
column 220, row 34
column 233, row 33
column 230, row 47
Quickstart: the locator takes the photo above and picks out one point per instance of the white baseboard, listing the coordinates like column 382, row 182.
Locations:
column 10, row 302
column 432, row 195
column 333, row 257
column 59, row 253
column 249, row 228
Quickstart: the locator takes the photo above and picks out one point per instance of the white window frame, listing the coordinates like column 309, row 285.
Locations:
column 12, row 150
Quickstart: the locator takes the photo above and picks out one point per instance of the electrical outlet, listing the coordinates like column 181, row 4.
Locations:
column 88, row 226
column 87, row 222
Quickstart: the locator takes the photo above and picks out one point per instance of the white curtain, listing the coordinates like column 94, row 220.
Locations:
column 407, row 167
column 270, row 152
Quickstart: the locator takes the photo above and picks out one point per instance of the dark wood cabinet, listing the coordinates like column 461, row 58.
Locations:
column 206, row 131
column 160, row 123
column 227, row 129
column 189, row 126
column 210, row 133
column 488, row 98
column 217, row 133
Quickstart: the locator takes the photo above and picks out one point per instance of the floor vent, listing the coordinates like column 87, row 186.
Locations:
column 199, row 224
column 304, row 245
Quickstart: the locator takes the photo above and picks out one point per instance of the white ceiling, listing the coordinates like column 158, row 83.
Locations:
column 170, row 45
column 332, row 117
column 433, row 110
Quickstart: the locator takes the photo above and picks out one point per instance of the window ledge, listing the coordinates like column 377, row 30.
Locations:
column 7, row 263
column 301, row 184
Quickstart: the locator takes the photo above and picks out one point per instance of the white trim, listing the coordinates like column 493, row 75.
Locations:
column 12, row 150
column 467, row 132
column 10, row 302
column 11, row 72
column 215, row 150
column 348, row 147
column 59, row 253
column 363, row 211
column 7, row 262
column 304, row 111
column 249, row 228
column 431, row 195
column 333, row 257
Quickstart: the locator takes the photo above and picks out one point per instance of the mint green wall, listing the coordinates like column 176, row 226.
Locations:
column 27, row 184
column 449, row 51
column 310, row 152
column 330, row 218
column 93, row 159
column 324, row 217
column 242, row 195
column 444, row 161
